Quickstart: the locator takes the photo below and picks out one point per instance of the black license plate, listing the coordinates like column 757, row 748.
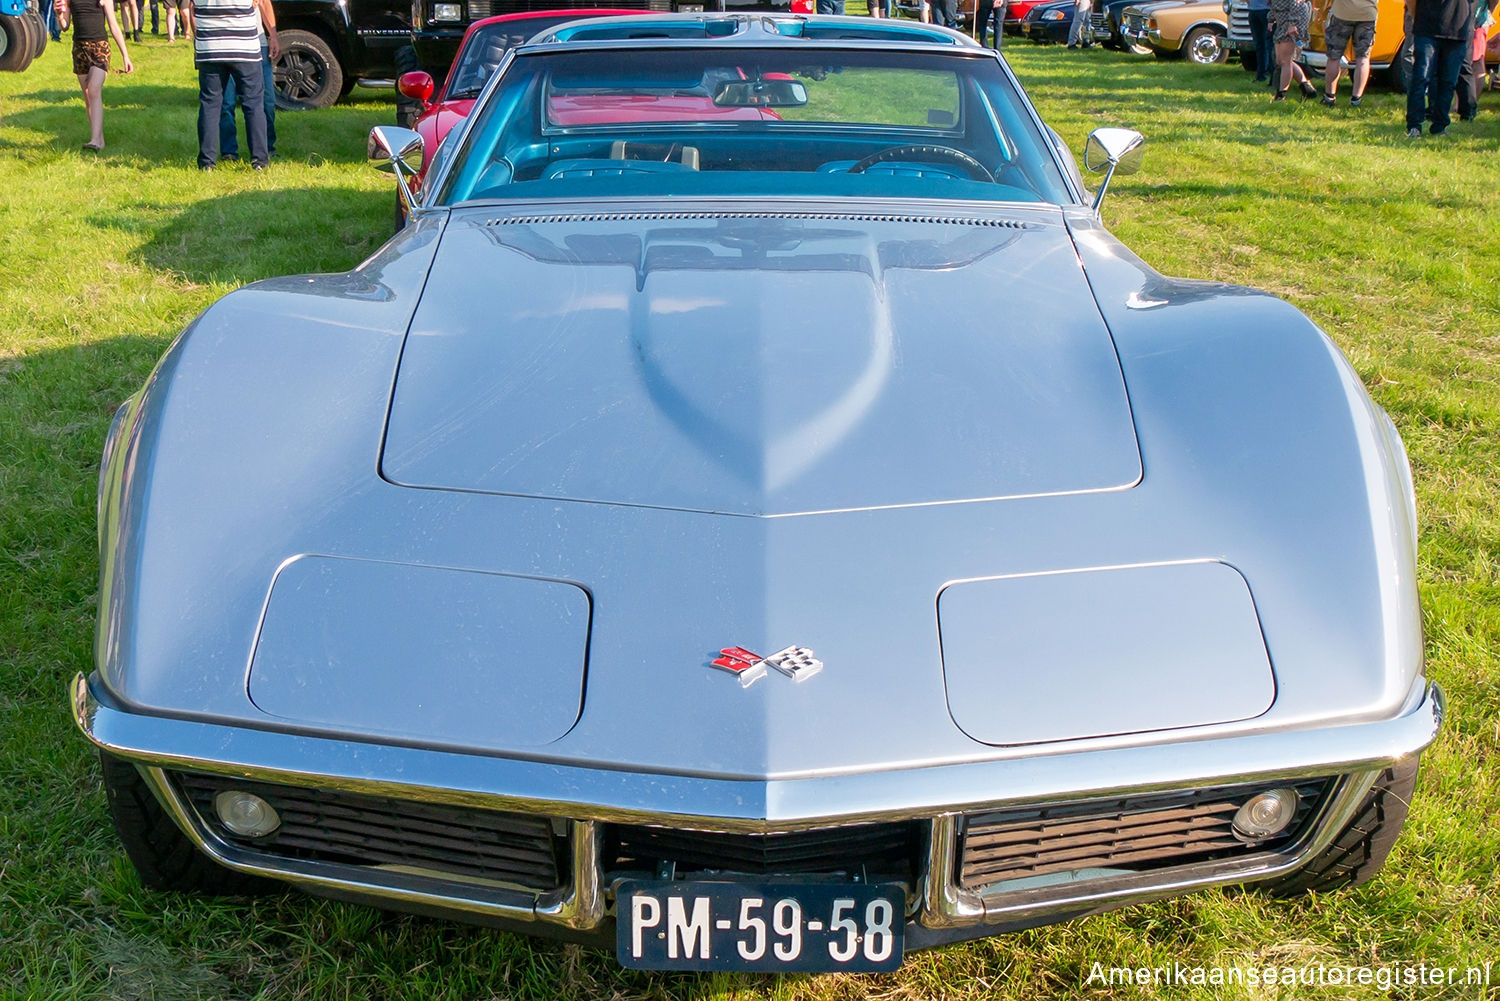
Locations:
column 809, row 927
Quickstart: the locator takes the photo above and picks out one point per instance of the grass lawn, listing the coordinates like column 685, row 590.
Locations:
column 1393, row 246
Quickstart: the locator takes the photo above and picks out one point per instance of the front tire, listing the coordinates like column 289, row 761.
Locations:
column 1205, row 46
column 1361, row 849
column 162, row 855
column 307, row 72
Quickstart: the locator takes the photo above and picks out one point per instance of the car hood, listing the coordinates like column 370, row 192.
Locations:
column 758, row 363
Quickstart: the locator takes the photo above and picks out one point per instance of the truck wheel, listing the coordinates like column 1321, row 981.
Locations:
column 408, row 110
column 162, row 855
column 15, row 44
column 1205, row 46
column 307, row 72
column 1358, row 853
column 38, row 32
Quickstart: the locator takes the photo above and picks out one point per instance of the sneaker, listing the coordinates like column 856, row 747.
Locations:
column 1328, row 101
column 230, row 157
column 1413, row 133
column 136, row 37
column 1355, row 101
column 1439, row 132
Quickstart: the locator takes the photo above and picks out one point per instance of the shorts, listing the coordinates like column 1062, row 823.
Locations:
column 1338, row 32
column 87, row 55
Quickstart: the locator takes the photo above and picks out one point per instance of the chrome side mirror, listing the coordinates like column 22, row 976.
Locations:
column 397, row 151
column 1119, row 151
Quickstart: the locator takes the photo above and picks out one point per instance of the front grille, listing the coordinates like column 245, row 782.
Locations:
column 1239, row 23
column 1098, row 20
column 1134, row 833
column 879, row 851
column 355, row 829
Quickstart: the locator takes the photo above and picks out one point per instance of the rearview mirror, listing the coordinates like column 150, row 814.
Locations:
column 391, row 148
column 397, row 151
column 417, row 84
column 760, row 94
column 1119, row 148
column 1114, row 151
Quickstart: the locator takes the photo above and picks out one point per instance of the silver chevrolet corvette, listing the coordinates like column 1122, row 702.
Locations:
column 755, row 517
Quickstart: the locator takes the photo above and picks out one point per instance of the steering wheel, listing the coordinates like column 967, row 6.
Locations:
column 958, row 157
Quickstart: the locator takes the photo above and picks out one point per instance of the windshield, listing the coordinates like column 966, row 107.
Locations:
column 487, row 45
column 737, row 120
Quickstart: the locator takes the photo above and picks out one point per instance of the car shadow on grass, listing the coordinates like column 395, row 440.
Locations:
column 243, row 237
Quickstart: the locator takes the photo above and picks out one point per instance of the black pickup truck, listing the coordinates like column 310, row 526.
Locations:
column 327, row 46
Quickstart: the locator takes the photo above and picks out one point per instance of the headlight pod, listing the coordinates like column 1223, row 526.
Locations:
column 447, row 12
column 1266, row 814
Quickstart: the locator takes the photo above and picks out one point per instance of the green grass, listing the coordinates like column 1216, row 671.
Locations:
column 1391, row 245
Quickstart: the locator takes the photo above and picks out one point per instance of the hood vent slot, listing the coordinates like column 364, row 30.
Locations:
column 867, row 217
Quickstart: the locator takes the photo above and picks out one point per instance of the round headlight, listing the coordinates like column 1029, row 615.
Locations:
column 245, row 813
column 1266, row 814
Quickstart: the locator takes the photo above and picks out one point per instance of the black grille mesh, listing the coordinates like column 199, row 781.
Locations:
column 886, row 851
column 1134, row 833
column 356, row 829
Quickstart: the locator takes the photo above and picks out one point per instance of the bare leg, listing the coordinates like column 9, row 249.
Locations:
column 171, row 22
column 1331, row 77
column 1284, row 51
column 1361, row 75
column 93, row 104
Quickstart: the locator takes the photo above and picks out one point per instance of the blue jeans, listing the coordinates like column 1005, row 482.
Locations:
column 212, row 80
column 1265, row 52
column 49, row 20
column 830, row 6
column 228, row 144
column 1435, row 63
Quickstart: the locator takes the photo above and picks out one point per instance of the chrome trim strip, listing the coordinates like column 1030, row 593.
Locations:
column 583, row 793
column 948, row 905
column 579, row 905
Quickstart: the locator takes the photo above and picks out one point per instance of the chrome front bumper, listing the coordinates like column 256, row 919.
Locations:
column 589, row 797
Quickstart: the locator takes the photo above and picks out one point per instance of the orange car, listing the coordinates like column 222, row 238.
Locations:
column 1391, row 52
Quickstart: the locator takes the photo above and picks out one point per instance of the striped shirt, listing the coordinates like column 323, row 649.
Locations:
column 225, row 31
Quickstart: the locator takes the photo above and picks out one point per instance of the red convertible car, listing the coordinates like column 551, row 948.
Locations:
column 484, row 45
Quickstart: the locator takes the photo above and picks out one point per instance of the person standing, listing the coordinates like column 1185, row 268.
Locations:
column 226, row 44
column 1471, row 74
column 1440, row 33
column 94, row 23
column 1348, row 20
column 989, row 15
column 1260, row 34
column 1079, row 32
column 1290, row 20
column 229, row 147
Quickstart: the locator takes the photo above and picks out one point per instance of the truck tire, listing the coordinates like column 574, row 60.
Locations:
column 15, row 44
column 307, row 72
column 408, row 110
column 1361, row 849
column 162, row 855
column 40, row 28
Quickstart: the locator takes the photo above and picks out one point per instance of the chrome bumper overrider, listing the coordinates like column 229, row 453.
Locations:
column 587, row 796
